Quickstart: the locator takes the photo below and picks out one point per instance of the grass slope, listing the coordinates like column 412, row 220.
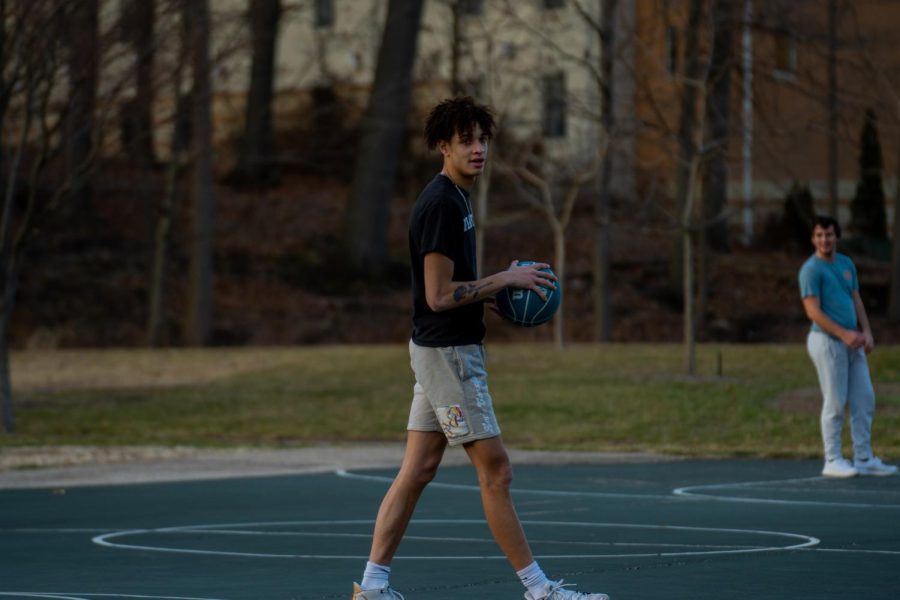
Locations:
column 615, row 397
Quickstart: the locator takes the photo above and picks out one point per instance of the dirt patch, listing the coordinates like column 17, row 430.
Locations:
column 76, row 370
column 31, row 457
column 808, row 401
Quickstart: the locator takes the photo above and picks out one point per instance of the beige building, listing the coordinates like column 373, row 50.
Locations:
column 537, row 62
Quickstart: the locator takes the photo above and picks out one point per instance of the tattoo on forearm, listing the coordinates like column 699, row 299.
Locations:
column 471, row 290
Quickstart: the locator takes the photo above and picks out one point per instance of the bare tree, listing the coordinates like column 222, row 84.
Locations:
column 255, row 158
column 38, row 95
column 553, row 190
column 832, row 108
column 179, row 148
column 198, row 324
column 894, row 304
column 602, row 302
column 603, row 22
column 716, row 132
column 717, row 121
column 82, row 57
column 138, row 30
column 383, row 132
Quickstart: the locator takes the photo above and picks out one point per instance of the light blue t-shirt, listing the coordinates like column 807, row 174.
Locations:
column 833, row 283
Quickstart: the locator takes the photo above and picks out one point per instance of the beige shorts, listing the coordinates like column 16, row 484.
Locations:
column 451, row 393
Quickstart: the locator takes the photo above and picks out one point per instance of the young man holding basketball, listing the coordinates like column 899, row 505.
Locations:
column 451, row 403
column 838, row 341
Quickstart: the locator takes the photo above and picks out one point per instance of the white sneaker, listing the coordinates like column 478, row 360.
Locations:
column 840, row 468
column 556, row 592
column 874, row 466
column 385, row 593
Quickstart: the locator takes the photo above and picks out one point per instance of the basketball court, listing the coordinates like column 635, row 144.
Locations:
column 709, row 529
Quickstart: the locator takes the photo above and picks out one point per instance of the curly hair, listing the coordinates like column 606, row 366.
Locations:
column 826, row 221
column 457, row 115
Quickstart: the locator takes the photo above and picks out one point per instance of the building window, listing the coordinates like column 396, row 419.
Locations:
column 324, row 13
column 554, row 4
column 506, row 50
column 785, row 54
column 670, row 58
column 471, row 7
column 554, row 100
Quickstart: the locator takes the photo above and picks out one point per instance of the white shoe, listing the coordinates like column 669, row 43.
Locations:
column 873, row 466
column 385, row 593
column 556, row 592
column 840, row 468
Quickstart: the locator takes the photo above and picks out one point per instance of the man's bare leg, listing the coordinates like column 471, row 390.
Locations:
column 491, row 461
column 424, row 451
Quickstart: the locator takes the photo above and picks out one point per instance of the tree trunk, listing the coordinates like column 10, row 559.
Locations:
column 832, row 111
column 894, row 306
column 6, row 396
column 687, row 147
column 255, row 160
column 559, row 267
column 156, row 322
column 138, row 28
column 82, row 62
column 382, row 138
column 602, row 305
column 179, row 145
column 482, row 193
column 690, row 339
column 713, row 235
column 456, row 42
column 688, row 279
column 715, row 172
column 198, row 324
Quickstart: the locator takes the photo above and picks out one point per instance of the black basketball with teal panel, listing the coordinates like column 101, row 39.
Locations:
column 525, row 307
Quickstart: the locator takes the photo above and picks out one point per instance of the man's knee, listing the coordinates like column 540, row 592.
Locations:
column 421, row 473
column 496, row 475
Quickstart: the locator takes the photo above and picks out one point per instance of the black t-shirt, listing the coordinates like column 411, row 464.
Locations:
column 442, row 221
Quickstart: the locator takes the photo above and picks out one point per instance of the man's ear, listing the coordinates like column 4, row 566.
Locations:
column 444, row 147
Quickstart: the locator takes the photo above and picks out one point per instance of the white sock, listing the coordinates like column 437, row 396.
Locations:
column 534, row 579
column 375, row 577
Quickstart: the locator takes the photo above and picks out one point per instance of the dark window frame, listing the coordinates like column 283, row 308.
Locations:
column 471, row 8
column 323, row 14
column 554, row 105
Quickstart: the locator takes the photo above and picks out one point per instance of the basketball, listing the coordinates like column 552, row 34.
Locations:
column 525, row 307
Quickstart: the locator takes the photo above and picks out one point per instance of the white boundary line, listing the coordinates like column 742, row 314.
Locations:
column 691, row 491
column 858, row 551
column 805, row 541
column 686, row 492
column 87, row 595
column 56, row 596
column 461, row 486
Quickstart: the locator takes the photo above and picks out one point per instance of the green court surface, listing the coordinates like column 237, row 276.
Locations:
column 693, row 530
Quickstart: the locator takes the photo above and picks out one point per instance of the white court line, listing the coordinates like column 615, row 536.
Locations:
column 56, row 530
column 804, row 541
column 691, row 491
column 430, row 538
column 460, row 486
column 686, row 492
column 858, row 551
column 53, row 596
column 86, row 596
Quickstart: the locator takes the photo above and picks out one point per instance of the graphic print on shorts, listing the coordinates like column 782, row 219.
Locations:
column 452, row 421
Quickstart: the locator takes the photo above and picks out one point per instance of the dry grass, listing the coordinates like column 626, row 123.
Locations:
column 117, row 369
column 631, row 397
